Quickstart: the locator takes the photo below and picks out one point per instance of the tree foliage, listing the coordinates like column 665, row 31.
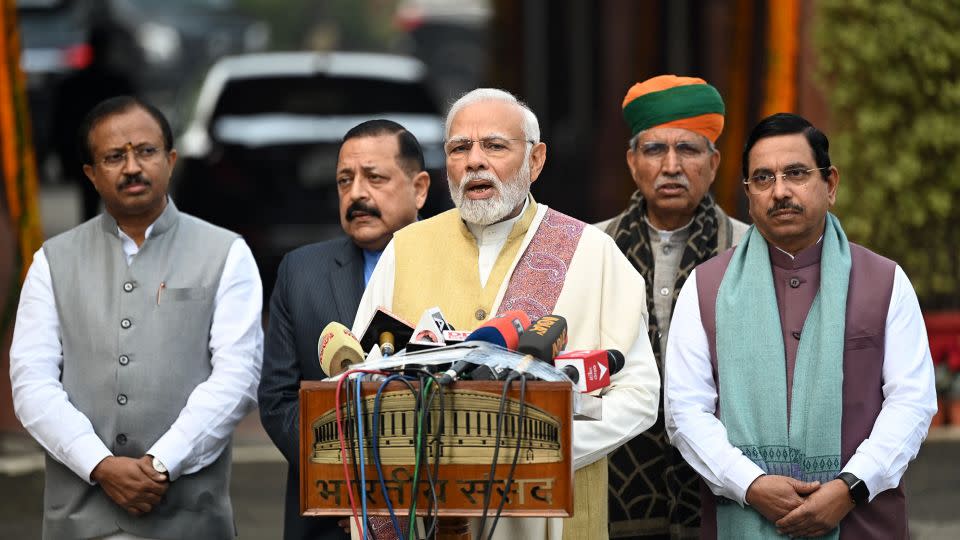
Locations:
column 891, row 71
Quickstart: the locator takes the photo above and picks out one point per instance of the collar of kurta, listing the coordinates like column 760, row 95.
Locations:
column 520, row 228
column 158, row 227
column 805, row 257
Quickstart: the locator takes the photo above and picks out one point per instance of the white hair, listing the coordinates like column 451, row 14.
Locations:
column 531, row 127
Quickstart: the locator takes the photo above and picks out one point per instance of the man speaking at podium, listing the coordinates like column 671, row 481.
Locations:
column 382, row 184
column 500, row 250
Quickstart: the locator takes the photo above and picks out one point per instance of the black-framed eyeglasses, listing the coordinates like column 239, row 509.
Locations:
column 795, row 176
column 491, row 146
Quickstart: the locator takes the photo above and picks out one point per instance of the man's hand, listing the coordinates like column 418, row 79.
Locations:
column 820, row 512
column 131, row 483
column 776, row 496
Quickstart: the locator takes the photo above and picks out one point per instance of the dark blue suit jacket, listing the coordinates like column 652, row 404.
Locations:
column 316, row 284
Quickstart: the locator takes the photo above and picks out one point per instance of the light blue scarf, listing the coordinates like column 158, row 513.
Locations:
column 753, row 380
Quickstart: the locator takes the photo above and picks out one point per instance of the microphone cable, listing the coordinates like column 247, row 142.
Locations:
column 361, row 436
column 376, row 444
column 352, row 440
column 521, row 419
column 433, row 513
column 496, row 453
column 420, row 448
column 342, row 439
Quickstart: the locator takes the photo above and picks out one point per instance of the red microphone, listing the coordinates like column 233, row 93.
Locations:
column 593, row 368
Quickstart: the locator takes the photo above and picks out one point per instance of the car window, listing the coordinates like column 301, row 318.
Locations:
column 40, row 4
column 321, row 95
column 194, row 4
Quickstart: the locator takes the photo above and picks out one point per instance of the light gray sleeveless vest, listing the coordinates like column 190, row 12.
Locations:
column 131, row 358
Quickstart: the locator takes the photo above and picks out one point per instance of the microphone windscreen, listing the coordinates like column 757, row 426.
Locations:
column 545, row 338
column 518, row 318
column 615, row 360
column 503, row 330
column 337, row 349
column 489, row 334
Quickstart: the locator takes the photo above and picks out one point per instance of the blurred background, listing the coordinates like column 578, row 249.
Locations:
column 260, row 92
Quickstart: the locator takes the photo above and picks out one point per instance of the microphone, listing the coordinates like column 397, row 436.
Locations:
column 593, row 368
column 387, row 330
column 451, row 337
column 503, row 331
column 429, row 331
column 542, row 340
column 387, row 343
column 545, row 338
column 338, row 349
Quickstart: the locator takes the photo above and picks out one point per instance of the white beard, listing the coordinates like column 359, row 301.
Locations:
column 509, row 195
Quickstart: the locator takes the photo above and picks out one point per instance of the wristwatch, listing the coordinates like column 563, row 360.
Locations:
column 160, row 467
column 859, row 492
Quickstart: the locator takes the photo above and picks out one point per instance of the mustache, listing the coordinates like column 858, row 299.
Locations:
column 358, row 207
column 784, row 204
column 680, row 179
column 488, row 176
column 128, row 181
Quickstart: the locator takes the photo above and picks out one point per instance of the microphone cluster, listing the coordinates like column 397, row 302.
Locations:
column 543, row 340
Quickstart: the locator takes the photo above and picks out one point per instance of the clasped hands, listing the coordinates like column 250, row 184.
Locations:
column 800, row 508
column 132, row 483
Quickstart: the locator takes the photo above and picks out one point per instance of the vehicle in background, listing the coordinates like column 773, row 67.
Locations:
column 259, row 154
column 161, row 46
column 452, row 39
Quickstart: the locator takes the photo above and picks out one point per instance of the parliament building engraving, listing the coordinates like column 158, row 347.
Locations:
column 469, row 430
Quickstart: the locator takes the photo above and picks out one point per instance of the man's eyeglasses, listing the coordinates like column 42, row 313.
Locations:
column 658, row 150
column 491, row 146
column 794, row 176
column 143, row 153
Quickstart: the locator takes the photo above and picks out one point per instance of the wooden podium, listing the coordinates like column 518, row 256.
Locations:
column 542, row 482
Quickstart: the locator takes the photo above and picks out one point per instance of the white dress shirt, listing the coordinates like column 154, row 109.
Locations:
column 202, row 430
column 909, row 400
column 491, row 239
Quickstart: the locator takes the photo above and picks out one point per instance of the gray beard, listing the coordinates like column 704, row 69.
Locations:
column 510, row 195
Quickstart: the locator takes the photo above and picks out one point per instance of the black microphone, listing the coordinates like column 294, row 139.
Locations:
column 545, row 338
column 386, row 330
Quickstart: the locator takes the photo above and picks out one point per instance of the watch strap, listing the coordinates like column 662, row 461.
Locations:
column 859, row 492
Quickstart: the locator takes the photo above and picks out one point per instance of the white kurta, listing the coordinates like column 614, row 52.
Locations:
column 604, row 302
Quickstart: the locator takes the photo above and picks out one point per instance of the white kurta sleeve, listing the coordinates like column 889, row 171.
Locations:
column 690, row 398
column 379, row 291
column 202, row 430
column 620, row 316
column 909, row 396
column 36, row 360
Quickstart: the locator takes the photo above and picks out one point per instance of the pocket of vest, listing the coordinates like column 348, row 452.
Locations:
column 189, row 293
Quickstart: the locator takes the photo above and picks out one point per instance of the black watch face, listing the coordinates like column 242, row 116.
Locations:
column 858, row 491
